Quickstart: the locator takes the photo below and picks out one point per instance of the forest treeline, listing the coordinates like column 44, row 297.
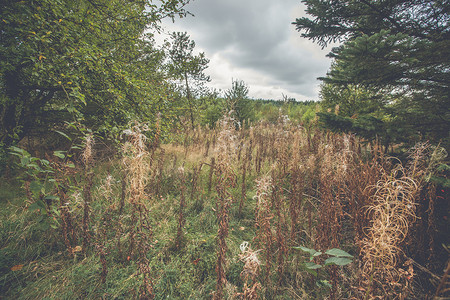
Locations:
column 96, row 63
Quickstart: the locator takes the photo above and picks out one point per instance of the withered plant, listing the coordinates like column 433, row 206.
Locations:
column 181, row 221
column 212, row 166
column 263, row 216
column 249, row 272
column 105, row 190
column 392, row 212
column 64, row 189
column 226, row 152
column 296, row 183
column 137, row 162
column 245, row 166
column 87, row 159
column 159, row 173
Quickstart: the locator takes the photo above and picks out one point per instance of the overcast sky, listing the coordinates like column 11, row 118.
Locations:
column 254, row 41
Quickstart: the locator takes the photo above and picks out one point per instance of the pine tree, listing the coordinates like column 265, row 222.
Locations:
column 397, row 48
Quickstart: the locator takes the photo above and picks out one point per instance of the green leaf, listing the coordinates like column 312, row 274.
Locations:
column 338, row 253
column 35, row 187
column 59, row 154
column 63, row 134
column 322, row 283
column 38, row 205
column 51, row 197
column 314, row 273
column 19, row 151
column 312, row 252
column 340, row 261
column 24, row 161
column 41, row 204
column 312, row 266
column 33, row 207
column 34, row 166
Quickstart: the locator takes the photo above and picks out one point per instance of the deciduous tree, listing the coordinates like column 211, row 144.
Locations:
column 88, row 59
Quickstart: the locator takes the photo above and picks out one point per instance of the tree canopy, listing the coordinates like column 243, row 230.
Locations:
column 395, row 47
column 187, row 68
column 90, row 59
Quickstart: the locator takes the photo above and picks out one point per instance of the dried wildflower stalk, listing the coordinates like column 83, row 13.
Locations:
column 391, row 212
column 250, row 272
column 87, row 158
column 181, row 220
column 264, row 237
column 137, row 164
column 225, row 179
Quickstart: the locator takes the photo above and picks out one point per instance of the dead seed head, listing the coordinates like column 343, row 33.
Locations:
column 87, row 152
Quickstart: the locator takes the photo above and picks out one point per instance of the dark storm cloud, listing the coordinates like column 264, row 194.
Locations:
column 254, row 39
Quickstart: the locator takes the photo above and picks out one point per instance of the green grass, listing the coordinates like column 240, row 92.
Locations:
column 49, row 272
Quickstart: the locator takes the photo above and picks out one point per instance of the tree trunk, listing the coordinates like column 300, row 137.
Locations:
column 188, row 96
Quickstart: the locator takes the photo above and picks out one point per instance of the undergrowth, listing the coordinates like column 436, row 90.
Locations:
column 219, row 214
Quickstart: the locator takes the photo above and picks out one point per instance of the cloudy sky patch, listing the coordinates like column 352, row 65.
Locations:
column 254, row 41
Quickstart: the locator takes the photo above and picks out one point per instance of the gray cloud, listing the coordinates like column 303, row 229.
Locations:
column 254, row 40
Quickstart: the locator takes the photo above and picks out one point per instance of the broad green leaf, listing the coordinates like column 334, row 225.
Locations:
column 38, row 205
column 41, row 204
column 338, row 253
column 314, row 273
column 312, row 266
column 59, row 154
column 312, row 252
column 33, row 207
column 340, row 261
column 35, row 187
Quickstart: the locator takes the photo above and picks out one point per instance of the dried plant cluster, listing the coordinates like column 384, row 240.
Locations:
column 326, row 191
column 277, row 186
